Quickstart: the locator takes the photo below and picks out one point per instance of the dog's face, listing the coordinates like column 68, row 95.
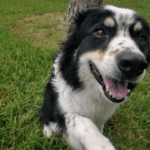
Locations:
column 111, row 46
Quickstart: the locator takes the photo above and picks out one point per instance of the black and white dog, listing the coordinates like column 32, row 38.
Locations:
column 105, row 55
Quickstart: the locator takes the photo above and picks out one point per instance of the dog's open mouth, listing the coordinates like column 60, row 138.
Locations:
column 114, row 90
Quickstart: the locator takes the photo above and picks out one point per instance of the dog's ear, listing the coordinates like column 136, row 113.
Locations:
column 76, row 30
column 81, row 16
column 86, row 19
column 78, row 20
column 79, row 27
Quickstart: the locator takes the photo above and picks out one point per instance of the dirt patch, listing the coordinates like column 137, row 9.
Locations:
column 43, row 30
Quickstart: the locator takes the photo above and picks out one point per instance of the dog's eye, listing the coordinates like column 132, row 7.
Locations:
column 100, row 33
column 142, row 39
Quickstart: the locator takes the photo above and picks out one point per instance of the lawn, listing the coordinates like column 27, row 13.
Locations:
column 30, row 31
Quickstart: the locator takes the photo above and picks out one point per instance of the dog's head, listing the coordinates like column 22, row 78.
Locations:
column 109, row 45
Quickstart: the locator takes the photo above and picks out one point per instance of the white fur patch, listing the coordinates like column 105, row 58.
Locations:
column 122, row 14
column 49, row 129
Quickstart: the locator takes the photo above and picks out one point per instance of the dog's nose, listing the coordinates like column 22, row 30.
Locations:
column 132, row 64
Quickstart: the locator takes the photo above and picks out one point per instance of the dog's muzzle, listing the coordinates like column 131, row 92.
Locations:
column 114, row 90
column 131, row 65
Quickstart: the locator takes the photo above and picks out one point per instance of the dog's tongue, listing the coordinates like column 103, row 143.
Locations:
column 117, row 92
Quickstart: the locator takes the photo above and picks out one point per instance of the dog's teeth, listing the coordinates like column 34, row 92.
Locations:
column 110, row 93
column 106, row 88
column 129, row 91
column 113, row 96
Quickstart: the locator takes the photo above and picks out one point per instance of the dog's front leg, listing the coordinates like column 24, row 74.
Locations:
column 81, row 133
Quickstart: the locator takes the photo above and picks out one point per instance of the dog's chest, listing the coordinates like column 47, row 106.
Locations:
column 89, row 103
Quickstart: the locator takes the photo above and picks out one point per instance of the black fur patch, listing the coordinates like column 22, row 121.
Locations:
column 50, row 111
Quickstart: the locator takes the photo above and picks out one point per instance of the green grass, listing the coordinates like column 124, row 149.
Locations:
column 25, row 70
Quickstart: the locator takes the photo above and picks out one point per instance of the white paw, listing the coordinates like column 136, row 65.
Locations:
column 79, row 126
column 47, row 131
column 85, row 132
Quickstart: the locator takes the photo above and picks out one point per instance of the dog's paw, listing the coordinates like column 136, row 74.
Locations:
column 80, row 126
column 85, row 132
column 47, row 131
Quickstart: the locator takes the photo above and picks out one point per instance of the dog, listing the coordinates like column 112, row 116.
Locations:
column 104, row 57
